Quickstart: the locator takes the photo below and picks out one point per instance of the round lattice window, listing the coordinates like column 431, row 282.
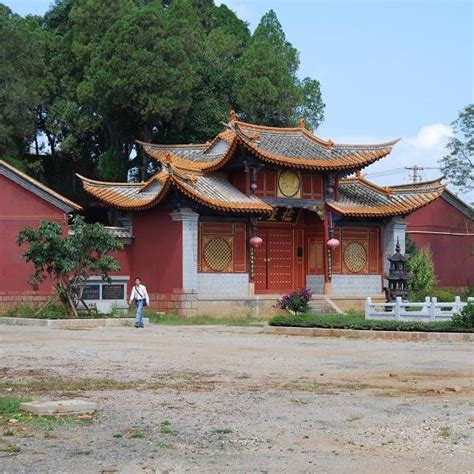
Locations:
column 355, row 257
column 218, row 254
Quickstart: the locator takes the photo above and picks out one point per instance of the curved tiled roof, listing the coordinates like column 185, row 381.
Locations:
column 300, row 148
column 211, row 190
column 128, row 196
column 199, row 157
column 361, row 198
column 291, row 147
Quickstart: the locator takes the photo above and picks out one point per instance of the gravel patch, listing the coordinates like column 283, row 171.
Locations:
column 223, row 399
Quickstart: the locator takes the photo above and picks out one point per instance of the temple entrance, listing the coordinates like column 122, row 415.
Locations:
column 275, row 260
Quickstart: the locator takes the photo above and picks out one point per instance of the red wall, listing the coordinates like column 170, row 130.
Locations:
column 20, row 208
column 156, row 251
column 453, row 255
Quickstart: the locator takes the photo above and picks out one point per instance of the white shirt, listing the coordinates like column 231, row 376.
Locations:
column 139, row 293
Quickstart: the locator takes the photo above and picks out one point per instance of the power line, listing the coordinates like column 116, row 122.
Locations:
column 386, row 172
column 416, row 175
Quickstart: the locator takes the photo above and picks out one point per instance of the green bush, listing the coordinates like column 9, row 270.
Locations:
column 444, row 295
column 465, row 318
column 357, row 321
column 28, row 310
column 422, row 269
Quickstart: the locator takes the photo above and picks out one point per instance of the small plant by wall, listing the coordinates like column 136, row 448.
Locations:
column 296, row 301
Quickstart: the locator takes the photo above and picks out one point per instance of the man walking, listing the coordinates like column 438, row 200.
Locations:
column 140, row 296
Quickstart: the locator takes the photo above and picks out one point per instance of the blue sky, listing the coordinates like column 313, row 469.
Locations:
column 387, row 69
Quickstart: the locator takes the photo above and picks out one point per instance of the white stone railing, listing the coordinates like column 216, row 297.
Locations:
column 426, row 311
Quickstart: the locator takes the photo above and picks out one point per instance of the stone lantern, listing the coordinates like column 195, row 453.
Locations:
column 397, row 276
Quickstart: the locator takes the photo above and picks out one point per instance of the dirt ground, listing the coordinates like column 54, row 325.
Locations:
column 223, row 399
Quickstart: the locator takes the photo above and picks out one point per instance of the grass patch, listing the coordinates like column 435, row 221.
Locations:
column 10, row 406
column 165, row 427
column 223, row 431
column 10, row 449
column 64, row 385
column 171, row 319
column 445, row 432
column 137, row 435
column 23, row 424
column 182, row 381
column 56, row 311
column 356, row 320
column 28, row 310
column 117, row 435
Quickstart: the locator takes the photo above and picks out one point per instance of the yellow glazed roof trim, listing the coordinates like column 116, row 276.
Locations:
column 402, row 199
column 163, row 155
column 354, row 156
column 175, row 177
column 357, row 160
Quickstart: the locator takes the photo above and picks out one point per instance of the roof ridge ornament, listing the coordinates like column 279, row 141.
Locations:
column 232, row 116
column 302, row 123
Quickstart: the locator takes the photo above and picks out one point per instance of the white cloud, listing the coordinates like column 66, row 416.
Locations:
column 424, row 150
column 431, row 137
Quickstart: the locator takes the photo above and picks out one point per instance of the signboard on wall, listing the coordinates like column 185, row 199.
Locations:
column 91, row 292
column 113, row 292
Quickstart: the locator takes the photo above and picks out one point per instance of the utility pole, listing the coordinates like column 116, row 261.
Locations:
column 416, row 169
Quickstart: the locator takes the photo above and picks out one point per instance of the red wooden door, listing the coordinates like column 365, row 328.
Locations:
column 274, row 261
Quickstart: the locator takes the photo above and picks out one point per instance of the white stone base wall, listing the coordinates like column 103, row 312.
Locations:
column 222, row 284
column 315, row 283
column 360, row 285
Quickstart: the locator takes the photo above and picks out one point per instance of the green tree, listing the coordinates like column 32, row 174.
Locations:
column 269, row 91
column 458, row 164
column 143, row 72
column 421, row 266
column 214, row 92
column 21, row 80
column 69, row 261
column 92, row 76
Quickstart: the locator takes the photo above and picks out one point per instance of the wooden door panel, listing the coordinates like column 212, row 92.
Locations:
column 280, row 259
column 260, row 255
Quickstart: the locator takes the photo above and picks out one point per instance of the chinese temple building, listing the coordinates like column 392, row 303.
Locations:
column 256, row 212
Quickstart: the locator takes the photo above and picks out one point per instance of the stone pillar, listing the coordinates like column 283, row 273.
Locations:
column 395, row 228
column 189, row 221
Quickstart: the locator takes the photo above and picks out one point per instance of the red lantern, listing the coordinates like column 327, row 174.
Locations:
column 255, row 242
column 333, row 243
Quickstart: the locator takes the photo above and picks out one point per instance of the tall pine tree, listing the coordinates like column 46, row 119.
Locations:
column 269, row 91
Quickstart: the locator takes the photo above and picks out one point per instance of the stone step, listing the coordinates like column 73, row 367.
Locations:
column 321, row 306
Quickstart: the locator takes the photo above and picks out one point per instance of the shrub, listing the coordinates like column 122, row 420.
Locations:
column 465, row 318
column 357, row 321
column 421, row 266
column 296, row 301
column 54, row 310
column 444, row 295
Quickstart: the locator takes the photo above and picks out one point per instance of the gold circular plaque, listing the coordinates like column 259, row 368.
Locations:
column 289, row 183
